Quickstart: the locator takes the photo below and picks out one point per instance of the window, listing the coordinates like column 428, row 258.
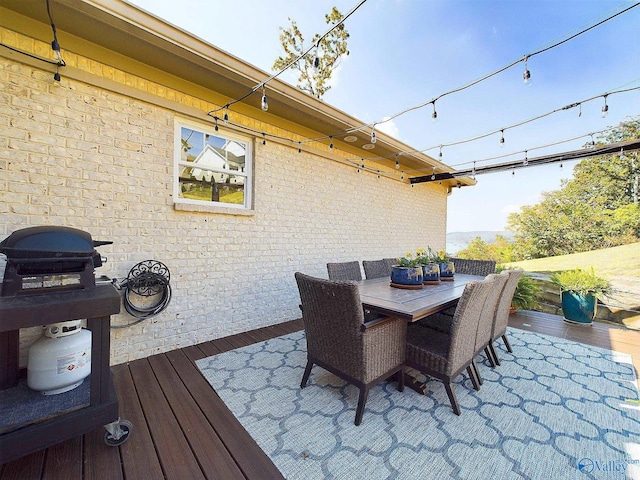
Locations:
column 212, row 168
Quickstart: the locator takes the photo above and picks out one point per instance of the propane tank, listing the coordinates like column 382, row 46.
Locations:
column 60, row 360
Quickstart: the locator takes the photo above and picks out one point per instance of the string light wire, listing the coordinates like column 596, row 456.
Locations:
column 284, row 69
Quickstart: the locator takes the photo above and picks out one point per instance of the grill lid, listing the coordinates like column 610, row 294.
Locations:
column 50, row 242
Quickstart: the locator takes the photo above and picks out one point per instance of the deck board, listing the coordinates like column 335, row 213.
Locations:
column 182, row 430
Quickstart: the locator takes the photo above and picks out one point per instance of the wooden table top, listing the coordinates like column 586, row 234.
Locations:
column 378, row 295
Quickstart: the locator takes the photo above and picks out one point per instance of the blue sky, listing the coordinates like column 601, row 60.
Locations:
column 407, row 52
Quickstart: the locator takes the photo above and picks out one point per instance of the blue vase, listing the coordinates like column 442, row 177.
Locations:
column 431, row 274
column 578, row 308
column 447, row 271
column 406, row 275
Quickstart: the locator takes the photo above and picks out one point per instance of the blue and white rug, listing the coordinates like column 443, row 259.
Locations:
column 554, row 409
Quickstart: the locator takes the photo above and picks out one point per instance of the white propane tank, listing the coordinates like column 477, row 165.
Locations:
column 60, row 360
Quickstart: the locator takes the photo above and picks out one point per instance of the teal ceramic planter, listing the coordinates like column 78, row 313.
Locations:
column 431, row 274
column 406, row 275
column 578, row 308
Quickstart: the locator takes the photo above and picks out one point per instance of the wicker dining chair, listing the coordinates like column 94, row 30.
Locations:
column 376, row 268
column 344, row 271
column 338, row 339
column 474, row 267
column 485, row 322
column 391, row 262
column 445, row 356
column 501, row 318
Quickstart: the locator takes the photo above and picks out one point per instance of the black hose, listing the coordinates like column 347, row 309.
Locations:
column 143, row 281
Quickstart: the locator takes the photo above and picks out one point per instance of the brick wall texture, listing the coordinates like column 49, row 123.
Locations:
column 89, row 158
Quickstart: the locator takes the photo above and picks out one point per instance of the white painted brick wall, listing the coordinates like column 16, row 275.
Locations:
column 95, row 160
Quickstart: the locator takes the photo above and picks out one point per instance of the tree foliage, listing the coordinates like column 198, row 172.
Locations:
column 501, row 250
column 330, row 50
column 598, row 208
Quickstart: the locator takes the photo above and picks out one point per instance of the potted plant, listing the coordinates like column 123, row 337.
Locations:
column 447, row 269
column 407, row 273
column 580, row 290
column 430, row 269
column 525, row 296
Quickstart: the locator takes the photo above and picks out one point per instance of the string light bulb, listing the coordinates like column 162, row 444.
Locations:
column 605, row 108
column 316, row 60
column 264, row 139
column 440, row 154
column 526, row 159
column 433, row 173
column 434, row 115
column 502, row 138
column 373, row 133
column 331, row 142
column 402, row 176
column 526, row 75
column 216, row 126
column 226, row 115
column 299, row 147
column 397, row 162
column 264, row 104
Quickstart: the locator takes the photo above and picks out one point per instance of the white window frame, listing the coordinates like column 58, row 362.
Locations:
column 211, row 206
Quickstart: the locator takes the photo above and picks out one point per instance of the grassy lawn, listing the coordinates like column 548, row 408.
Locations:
column 608, row 262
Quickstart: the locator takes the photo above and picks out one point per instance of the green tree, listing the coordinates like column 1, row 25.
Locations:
column 501, row 250
column 595, row 209
column 330, row 51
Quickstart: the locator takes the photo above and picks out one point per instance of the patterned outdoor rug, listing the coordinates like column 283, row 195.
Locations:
column 554, row 409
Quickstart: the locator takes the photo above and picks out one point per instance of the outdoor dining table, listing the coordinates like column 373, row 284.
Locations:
column 379, row 296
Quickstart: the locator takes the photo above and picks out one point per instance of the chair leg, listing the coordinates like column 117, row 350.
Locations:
column 506, row 343
column 494, row 353
column 362, row 399
column 487, row 352
column 400, row 375
column 474, row 365
column 474, row 379
column 452, row 397
column 307, row 372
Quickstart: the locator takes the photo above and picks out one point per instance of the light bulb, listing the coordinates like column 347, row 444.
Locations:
column 397, row 162
column 316, row 63
column 226, row 117
column 216, row 127
column 265, row 104
column 605, row 110
column 330, row 144
column 502, row 139
column 373, row 135
column 264, row 139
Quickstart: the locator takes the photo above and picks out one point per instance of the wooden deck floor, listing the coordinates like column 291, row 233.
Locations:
column 182, row 430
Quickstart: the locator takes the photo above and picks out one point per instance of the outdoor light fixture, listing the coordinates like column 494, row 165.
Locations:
column 440, row 154
column 434, row 115
column 330, row 144
column 215, row 119
column 397, row 162
column 526, row 75
column 502, row 138
column 373, row 134
column 299, row 147
column 605, row 108
column 526, row 159
column 433, row 174
column 226, row 115
column 265, row 105
column 264, row 139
